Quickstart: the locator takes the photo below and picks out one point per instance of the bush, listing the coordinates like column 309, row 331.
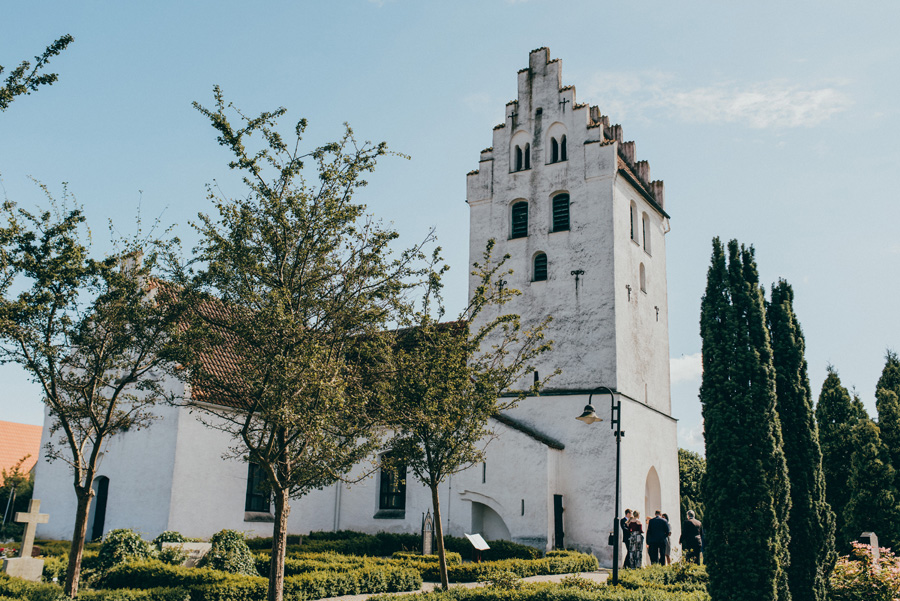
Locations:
column 155, row 594
column 54, row 567
column 556, row 562
column 550, row 592
column 169, row 536
column 854, row 578
column 172, row 555
column 499, row 549
column 230, row 553
column 32, row 591
column 680, row 576
column 346, row 542
column 451, row 557
column 121, row 546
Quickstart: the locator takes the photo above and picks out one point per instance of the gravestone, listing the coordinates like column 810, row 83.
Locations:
column 25, row 566
column 869, row 538
column 427, row 533
column 195, row 552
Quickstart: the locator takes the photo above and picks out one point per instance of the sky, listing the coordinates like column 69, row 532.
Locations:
column 770, row 122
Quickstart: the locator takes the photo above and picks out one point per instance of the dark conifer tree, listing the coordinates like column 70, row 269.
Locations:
column 746, row 486
column 873, row 501
column 836, row 414
column 811, row 521
column 887, row 401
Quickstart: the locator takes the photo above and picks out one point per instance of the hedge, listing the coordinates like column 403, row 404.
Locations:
column 207, row 585
column 681, row 576
column 556, row 562
column 499, row 549
column 32, row 591
column 451, row 557
column 550, row 592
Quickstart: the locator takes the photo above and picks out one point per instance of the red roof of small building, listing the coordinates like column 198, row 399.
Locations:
column 18, row 441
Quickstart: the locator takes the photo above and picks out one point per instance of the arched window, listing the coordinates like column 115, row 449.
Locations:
column 554, row 150
column 646, row 231
column 560, row 212
column 518, row 158
column 562, row 149
column 528, row 156
column 634, row 222
column 643, row 276
column 519, row 225
column 540, row 267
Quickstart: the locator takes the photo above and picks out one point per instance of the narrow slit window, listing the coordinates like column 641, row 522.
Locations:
column 634, row 234
column 519, row 220
column 484, row 472
column 646, row 231
column 518, row 158
column 560, row 212
column 257, row 498
column 540, row 267
column 528, row 156
column 554, row 150
column 562, row 149
column 643, row 277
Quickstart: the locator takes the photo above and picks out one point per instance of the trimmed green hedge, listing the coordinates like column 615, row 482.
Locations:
column 32, row 591
column 550, row 592
column 451, row 557
column 681, row 576
column 499, row 549
column 206, row 585
column 556, row 562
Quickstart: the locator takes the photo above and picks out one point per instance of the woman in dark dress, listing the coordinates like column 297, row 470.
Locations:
column 636, row 541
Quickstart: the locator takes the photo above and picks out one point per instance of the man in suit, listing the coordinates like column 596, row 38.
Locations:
column 691, row 538
column 657, row 533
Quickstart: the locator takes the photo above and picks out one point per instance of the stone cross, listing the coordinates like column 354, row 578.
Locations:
column 563, row 103
column 31, row 519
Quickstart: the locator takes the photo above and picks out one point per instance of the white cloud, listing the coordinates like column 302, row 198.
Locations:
column 686, row 368
column 776, row 103
column 692, row 439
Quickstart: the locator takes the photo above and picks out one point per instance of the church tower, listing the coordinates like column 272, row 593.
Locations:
column 565, row 197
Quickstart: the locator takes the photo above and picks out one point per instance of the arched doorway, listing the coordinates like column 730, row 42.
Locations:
column 652, row 494
column 97, row 517
column 488, row 523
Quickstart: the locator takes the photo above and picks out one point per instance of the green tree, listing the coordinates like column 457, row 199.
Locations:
column 887, row 402
column 89, row 333
column 450, row 378
column 811, row 521
column 873, row 504
column 691, row 471
column 16, row 488
column 294, row 289
column 26, row 79
column 745, row 492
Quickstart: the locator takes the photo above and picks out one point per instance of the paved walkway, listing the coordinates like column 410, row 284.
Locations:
column 427, row 587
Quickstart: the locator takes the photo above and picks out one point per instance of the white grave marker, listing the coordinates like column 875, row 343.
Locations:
column 25, row 566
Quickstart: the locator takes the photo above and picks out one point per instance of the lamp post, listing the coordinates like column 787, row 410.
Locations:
column 589, row 416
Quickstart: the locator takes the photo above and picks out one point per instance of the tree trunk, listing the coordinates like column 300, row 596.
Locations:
column 439, row 534
column 73, row 571
column 279, row 546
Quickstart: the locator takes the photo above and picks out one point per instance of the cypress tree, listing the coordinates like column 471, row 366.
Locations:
column 811, row 521
column 887, row 401
column 873, row 501
column 746, row 486
column 836, row 414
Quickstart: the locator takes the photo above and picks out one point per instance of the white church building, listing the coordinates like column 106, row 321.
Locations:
column 563, row 194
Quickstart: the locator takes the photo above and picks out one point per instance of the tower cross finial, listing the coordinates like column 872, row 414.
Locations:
column 563, row 103
column 31, row 519
column 513, row 116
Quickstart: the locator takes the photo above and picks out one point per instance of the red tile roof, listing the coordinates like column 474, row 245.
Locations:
column 17, row 441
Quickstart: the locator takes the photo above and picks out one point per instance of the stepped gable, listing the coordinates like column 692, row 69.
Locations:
column 521, row 115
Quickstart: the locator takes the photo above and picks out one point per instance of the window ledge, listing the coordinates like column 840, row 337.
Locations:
column 258, row 516
column 390, row 514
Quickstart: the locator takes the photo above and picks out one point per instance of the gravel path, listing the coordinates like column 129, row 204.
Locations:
column 599, row 576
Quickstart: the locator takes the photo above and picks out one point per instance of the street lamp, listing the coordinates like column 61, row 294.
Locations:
column 589, row 416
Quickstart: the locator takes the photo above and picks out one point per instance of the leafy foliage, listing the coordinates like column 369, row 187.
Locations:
column 229, row 553
column 88, row 331
column 121, row 546
column 836, row 415
column 169, row 536
column 745, row 492
column 448, row 379
column 873, row 503
column 691, row 471
column 26, row 79
column 811, row 521
column 887, row 402
column 18, row 486
column 294, row 286
column 855, row 578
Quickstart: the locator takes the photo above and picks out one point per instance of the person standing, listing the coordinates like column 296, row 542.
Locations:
column 668, row 540
column 657, row 533
column 626, row 537
column 636, row 542
column 691, row 538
